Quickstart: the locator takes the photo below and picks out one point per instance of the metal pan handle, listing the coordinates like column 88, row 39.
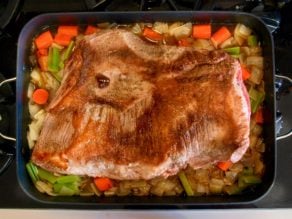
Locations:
column 290, row 132
column 2, row 83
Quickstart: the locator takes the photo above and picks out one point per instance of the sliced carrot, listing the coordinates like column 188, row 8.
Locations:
column 43, row 63
column 151, row 34
column 245, row 73
column 40, row 96
column 90, row 30
column 68, row 30
column 62, row 39
column 44, row 40
column 224, row 165
column 103, row 183
column 202, row 31
column 259, row 116
column 184, row 42
column 42, row 52
column 220, row 36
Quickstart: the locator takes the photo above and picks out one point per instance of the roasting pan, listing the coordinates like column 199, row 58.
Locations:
column 37, row 24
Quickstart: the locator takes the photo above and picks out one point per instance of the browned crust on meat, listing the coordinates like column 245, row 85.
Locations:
column 164, row 106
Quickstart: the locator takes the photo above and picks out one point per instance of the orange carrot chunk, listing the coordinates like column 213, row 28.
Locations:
column 44, row 40
column 90, row 30
column 43, row 63
column 220, row 36
column 151, row 34
column 62, row 39
column 184, row 42
column 42, row 52
column 40, row 96
column 202, row 31
column 259, row 116
column 68, row 30
column 245, row 73
column 103, row 183
column 224, row 165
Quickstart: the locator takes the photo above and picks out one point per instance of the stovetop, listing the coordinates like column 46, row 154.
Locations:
column 15, row 13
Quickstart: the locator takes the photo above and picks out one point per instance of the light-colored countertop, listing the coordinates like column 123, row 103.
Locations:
column 165, row 214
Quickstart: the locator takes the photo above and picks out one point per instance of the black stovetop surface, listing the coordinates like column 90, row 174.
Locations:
column 12, row 196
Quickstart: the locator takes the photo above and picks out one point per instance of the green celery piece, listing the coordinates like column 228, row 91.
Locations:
column 251, row 179
column 68, row 51
column 57, row 187
column 184, row 181
column 233, row 190
column 233, row 50
column 45, row 175
column 256, row 98
column 252, row 40
column 32, row 171
column 241, row 183
column 66, row 191
column 54, row 59
column 253, row 93
column 68, row 179
column 66, row 54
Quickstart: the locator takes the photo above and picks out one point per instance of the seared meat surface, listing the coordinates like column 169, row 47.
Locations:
column 128, row 109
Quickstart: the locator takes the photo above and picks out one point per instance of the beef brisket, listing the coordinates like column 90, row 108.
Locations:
column 129, row 109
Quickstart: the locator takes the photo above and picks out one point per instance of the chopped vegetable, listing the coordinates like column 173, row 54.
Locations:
column 250, row 179
column 202, row 31
column 44, row 40
column 68, row 179
column 45, row 175
column 230, row 42
column 68, row 30
column 252, row 40
column 257, row 61
column 160, row 27
column 245, row 73
column 103, row 183
column 151, row 34
column 181, row 31
column 224, row 165
column 184, row 181
column 42, row 52
column 233, row 50
column 242, row 31
column 220, row 36
column 62, row 39
column 184, row 42
column 259, row 116
column 40, row 96
column 43, row 63
column 256, row 98
column 91, row 29
column 233, row 189
column 66, row 190
column 54, row 59
column 256, row 75
column 68, row 51
column 32, row 171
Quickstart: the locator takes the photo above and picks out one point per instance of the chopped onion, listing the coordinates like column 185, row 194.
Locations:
column 230, row 42
column 257, row 61
column 160, row 27
column 182, row 31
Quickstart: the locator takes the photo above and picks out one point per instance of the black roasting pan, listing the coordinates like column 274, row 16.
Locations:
column 41, row 22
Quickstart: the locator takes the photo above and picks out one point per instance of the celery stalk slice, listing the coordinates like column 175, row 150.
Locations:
column 45, row 175
column 233, row 50
column 184, row 181
column 68, row 179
